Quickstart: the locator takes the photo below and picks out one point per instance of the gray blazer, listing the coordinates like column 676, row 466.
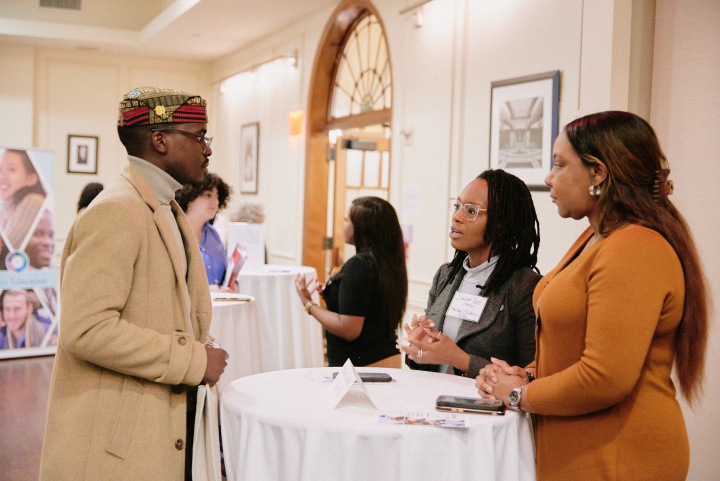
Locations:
column 506, row 329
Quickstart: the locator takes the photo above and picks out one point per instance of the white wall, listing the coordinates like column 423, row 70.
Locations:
column 423, row 82
column 441, row 79
column 685, row 112
column 266, row 95
column 16, row 95
column 493, row 54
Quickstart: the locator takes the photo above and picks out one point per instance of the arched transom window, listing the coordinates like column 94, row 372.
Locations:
column 363, row 82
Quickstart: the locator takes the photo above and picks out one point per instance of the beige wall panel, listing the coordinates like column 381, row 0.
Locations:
column 78, row 93
column 187, row 80
column 515, row 39
column 685, row 114
column 425, row 59
column 76, row 100
column 265, row 95
column 16, row 95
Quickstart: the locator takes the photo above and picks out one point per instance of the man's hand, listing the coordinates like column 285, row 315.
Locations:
column 216, row 362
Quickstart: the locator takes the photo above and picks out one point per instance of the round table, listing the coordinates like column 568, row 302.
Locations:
column 281, row 426
column 235, row 326
column 289, row 337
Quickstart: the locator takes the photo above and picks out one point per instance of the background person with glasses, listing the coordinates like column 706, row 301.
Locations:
column 480, row 303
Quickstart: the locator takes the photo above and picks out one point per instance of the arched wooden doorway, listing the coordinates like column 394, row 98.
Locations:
column 368, row 93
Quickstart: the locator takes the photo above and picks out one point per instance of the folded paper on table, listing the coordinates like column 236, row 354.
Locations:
column 344, row 382
column 230, row 297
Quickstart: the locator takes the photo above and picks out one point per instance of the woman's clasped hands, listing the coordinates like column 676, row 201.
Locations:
column 496, row 380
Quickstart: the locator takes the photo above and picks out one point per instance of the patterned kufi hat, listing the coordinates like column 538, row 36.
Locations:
column 151, row 105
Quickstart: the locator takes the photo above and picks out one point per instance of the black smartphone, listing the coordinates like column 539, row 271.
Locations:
column 372, row 376
column 457, row 404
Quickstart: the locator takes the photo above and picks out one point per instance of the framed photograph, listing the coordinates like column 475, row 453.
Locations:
column 249, row 158
column 523, row 126
column 82, row 154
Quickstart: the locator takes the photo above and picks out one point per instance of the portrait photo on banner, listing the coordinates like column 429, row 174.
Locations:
column 523, row 126
column 29, row 311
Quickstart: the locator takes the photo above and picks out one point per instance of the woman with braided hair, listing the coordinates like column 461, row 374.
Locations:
column 495, row 233
column 626, row 302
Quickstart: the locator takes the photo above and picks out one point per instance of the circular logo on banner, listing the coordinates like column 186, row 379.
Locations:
column 16, row 261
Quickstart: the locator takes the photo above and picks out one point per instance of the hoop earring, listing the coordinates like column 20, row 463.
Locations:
column 595, row 190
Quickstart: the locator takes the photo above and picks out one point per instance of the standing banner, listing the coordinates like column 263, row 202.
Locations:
column 250, row 237
column 29, row 310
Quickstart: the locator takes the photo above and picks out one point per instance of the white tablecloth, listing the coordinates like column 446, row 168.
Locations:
column 279, row 426
column 236, row 328
column 289, row 338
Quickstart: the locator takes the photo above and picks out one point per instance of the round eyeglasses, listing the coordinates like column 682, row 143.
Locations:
column 470, row 211
column 200, row 138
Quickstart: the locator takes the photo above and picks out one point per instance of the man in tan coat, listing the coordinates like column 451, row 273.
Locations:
column 136, row 308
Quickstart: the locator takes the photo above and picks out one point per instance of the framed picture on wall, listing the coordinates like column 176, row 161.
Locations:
column 523, row 126
column 249, row 158
column 82, row 154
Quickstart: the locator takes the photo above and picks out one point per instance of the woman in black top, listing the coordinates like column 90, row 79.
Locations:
column 366, row 299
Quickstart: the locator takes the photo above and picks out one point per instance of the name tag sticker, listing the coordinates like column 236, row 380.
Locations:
column 467, row 306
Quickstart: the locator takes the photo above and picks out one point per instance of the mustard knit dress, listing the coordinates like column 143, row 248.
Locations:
column 606, row 324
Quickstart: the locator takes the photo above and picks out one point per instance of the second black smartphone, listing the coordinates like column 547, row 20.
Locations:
column 372, row 376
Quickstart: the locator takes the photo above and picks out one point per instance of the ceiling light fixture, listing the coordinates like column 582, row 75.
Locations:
column 293, row 60
column 416, row 10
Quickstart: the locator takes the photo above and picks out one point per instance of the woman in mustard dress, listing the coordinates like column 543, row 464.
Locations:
column 626, row 302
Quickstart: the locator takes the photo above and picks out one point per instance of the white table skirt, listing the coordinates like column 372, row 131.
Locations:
column 289, row 337
column 278, row 426
column 235, row 327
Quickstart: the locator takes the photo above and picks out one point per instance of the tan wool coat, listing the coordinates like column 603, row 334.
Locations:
column 117, row 403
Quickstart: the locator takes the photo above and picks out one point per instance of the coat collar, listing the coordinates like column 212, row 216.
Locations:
column 196, row 281
column 445, row 298
column 162, row 183
column 148, row 196
column 195, row 266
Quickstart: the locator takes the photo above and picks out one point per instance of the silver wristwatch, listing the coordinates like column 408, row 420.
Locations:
column 514, row 399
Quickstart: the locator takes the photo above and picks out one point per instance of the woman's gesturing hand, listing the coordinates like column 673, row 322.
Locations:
column 429, row 346
column 305, row 289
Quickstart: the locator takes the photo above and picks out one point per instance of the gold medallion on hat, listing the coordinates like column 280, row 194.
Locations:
column 160, row 110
